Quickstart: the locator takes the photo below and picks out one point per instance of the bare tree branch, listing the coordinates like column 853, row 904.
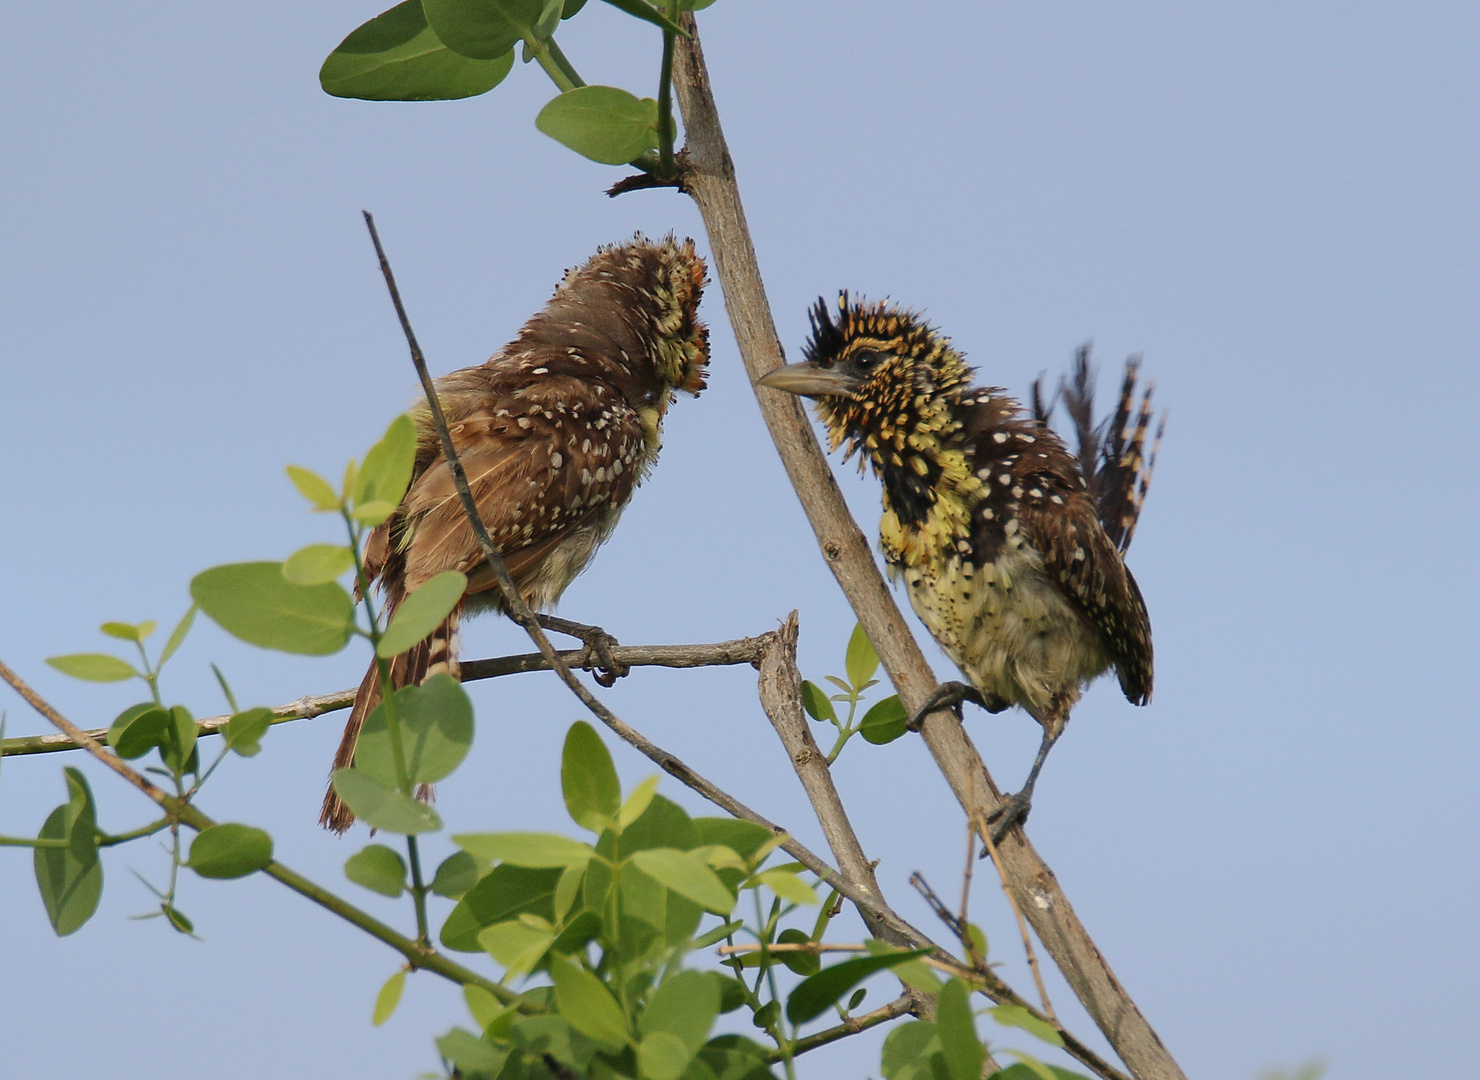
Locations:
column 709, row 177
column 724, row 653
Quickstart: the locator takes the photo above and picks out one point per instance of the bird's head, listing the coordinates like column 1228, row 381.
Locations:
column 879, row 373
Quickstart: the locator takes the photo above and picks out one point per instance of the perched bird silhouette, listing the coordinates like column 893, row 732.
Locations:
column 1009, row 546
column 554, row 433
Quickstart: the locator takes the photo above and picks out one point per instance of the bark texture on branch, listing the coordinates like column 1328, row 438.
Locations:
column 709, row 179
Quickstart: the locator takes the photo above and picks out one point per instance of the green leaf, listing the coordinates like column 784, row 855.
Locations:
column 788, row 886
column 138, row 729
column 860, row 661
column 955, row 1026
column 373, row 513
column 436, row 725
column 311, row 485
column 483, row 29
column 230, row 851
column 179, row 744
column 379, row 869
column 587, row 1005
column 687, row 875
column 177, row 919
column 457, row 874
column 815, row 995
column 734, row 1057
column 743, row 837
column 484, row 1006
column 661, row 1056
column 383, row 807
column 908, row 1049
column 93, row 667
column 515, row 945
column 664, row 824
column 685, row 1006
column 567, row 890
column 253, row 601
column 129, row 631
column 504, row 893
column 244, row 730
column 1017, row 1016
column 471, row 1054
column 603, row 123
column 421, row 613
column 318, row 563
column 645, row 11
column 386, row 471
column 638, row 802
column 885, row 722
column 388, row 998
column 526, row 849
column 803, row 963
column 588, row 779
column 817, row 704
column 70, row 878
column 177, row 635
column 857, row 998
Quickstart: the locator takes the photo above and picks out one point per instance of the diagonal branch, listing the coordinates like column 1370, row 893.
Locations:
column 709, row 178
column 723, row 653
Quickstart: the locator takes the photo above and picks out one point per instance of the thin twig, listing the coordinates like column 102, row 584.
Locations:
column 986, row 834
column 851, row 1026
column 724, row 653
column 709, row 177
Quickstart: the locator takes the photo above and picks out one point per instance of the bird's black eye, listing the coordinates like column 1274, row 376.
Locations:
column 865, row 360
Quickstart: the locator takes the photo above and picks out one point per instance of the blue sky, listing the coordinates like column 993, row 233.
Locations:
column 1272, row 202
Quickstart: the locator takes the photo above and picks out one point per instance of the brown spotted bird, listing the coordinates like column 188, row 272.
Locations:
column 989, row 520
column 554, row 432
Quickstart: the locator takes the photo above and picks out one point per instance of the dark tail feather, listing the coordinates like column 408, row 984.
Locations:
column 438, row 653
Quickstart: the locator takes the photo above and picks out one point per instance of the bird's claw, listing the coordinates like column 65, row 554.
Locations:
column 1013, row 811
column 604, row 668
column 948, row 695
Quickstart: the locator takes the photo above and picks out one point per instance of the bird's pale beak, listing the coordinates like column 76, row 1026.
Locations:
column 809, row 380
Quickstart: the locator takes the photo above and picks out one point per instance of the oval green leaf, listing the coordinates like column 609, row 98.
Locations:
column 661, row 1056
column 587, row 1005
column 685, row 1006
column 436, row 724
column 1017, row 1016
column 588, row 779
column 421, row 613
column 955, row 1026
column 815, row 995
column 138, row 729
column 603, row 123
column 504, row 893
column 70, row 878
column 860, row 661
column 515, row 945
column 253, row 601
column 311, row 485
column 535, row 850
column 788, row 886
column 388, row 998
column 129, row 631
column 386, row 471
column 816, row 702
column 456, row 875
column 318, row 563
column 803, row 963
column 230, row 851
column 244, row 731
column 483, row 29
column 885, row 722
column 379, row 869
column 688, row 875
column 93, row 667
column 384, row 807
column 396, row 56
